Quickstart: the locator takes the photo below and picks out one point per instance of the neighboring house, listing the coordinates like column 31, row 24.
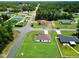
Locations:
column 65, row 21
column 25, row 12
column 72, row 40
column 42, row 38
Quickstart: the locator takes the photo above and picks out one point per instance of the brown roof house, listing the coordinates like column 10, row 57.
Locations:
column 42, row 38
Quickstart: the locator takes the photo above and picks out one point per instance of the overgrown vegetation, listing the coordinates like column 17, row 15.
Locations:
column 6, row 35
column 17, row 6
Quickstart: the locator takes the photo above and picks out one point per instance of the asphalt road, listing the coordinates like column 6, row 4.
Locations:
column 26, row 29
column 69, row 29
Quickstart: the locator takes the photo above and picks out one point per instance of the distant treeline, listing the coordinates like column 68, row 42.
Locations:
column 57, row 10
column 18, row 6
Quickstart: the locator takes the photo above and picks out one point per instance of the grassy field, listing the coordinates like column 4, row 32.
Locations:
column 66, row 50
column 32, row 49
column 58, row 24
column 69, row 33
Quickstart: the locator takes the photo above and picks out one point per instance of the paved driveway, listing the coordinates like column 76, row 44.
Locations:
column 58, row 31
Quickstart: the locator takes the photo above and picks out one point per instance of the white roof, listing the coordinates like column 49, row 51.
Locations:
column 72, row 42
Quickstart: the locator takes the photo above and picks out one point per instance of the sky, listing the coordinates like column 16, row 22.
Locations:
column 39, row 0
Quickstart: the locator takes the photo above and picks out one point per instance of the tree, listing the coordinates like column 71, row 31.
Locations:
column 6, row 35
column 4, row 17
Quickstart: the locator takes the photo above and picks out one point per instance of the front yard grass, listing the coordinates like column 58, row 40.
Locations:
column 59, row 25
column 31, row 49
column 66, row 50
column 69, row 33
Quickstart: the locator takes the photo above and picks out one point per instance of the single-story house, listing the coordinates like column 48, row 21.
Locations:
column 25, row 12
column 72, row 40
column 65, row 21
column 42, row 38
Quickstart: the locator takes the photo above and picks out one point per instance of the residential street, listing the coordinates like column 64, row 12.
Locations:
column 26, row 29
column 19, row 40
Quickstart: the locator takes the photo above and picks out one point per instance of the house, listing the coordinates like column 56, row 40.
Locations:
column 65, row 21
column 9, row 9
column 25, row 12
column 42, row 38
column 72, row 40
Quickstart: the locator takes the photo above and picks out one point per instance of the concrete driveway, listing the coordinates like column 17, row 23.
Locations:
column 58, row 31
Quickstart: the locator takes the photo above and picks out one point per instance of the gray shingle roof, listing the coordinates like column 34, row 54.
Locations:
column 65, row 21
column 67, row 39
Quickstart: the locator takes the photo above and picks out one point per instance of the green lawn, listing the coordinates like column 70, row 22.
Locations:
column 58, row 24
column 32, row 49
column 69, row 33
column 67, row 51
column 27, row 17
column 75, row 16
